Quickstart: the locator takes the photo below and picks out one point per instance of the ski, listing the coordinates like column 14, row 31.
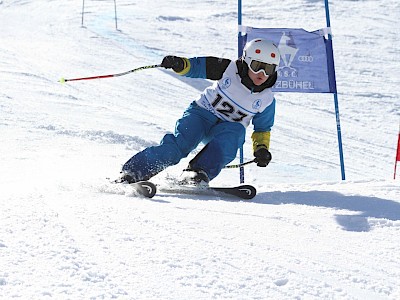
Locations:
column 149, row 189
column 145, row 188
column 245, row 191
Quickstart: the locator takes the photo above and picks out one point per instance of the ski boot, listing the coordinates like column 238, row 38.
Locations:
column 127, row 178
column 194, row 177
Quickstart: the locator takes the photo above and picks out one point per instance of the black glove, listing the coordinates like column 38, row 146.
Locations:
column 173, row 62
column 262, row 156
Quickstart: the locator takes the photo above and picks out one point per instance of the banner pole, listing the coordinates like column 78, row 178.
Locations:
column 240, row 50
column 335, row 96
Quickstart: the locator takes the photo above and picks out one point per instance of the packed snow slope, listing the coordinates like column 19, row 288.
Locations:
column 66, row 233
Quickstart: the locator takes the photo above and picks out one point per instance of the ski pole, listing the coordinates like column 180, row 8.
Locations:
column 63, row 80
column 239, row 165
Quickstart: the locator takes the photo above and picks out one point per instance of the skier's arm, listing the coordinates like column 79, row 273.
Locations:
column 207, row 67
column 264, row 120
column 261, row 136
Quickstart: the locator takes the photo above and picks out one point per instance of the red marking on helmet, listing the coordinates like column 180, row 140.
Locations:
column 272, row 54
column 258, row 51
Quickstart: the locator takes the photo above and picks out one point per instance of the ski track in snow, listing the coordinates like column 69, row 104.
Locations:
column 67, row 233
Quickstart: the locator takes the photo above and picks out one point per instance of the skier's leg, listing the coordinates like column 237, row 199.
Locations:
column 226, row 139
column 189, row 132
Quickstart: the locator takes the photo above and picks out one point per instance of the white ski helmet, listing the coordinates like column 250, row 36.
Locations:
column 261, row 56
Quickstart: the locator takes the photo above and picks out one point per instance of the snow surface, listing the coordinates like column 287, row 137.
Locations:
column 66, row 233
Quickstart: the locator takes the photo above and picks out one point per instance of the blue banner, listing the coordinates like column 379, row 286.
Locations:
column 306, row 59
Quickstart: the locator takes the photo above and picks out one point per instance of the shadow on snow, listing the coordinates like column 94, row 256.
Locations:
column 363, row 206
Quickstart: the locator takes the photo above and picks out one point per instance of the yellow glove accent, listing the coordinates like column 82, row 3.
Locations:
column 186, row 66
column 260, row 138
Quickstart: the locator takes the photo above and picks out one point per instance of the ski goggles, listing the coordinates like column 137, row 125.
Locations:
column 258, row 66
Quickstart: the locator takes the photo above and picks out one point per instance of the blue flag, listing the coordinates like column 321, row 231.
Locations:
column 306, row 59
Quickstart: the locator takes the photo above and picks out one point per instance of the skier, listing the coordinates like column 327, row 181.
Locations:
column 240, row 94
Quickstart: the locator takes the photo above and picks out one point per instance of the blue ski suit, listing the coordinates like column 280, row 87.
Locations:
column 219, row 123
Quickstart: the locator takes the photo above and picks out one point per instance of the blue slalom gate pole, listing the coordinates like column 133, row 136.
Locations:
column 335, row 96
column 240, row 50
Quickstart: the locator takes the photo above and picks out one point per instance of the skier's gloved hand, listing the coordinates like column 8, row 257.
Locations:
column 262, row 156
column 173, row 62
